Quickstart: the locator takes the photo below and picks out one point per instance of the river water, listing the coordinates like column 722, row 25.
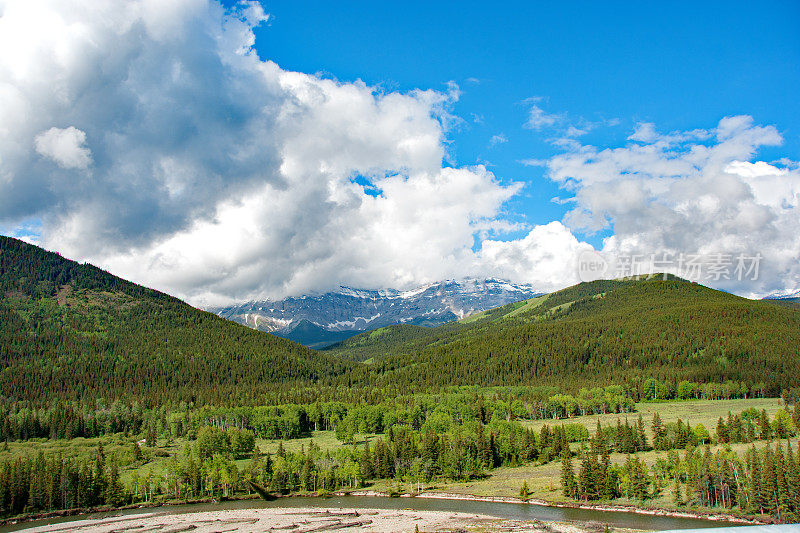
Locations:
column 513, row 511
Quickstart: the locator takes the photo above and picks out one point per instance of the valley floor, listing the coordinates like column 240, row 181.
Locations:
column 543, row 480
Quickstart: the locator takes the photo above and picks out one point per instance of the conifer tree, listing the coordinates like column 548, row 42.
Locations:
column 365, row 463
column 639, row 479
column 765, row 430
column 567, row 475
column 755, row 492
column 641, row 435
column 677, row 496
column 793, row 479
column 114, row 489
column 769, row 482
column 781, row 488
column 589, row 482
column 608, row 477
column 524, row 491
column 137, row 452
column 659, row 433
column 722, row 431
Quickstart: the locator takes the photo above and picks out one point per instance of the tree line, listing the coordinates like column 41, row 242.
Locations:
column 349, row 415
column 763, row 481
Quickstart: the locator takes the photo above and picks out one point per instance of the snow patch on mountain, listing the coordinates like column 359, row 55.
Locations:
column 353, row 309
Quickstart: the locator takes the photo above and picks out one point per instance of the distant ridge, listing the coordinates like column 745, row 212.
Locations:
column 319, row 320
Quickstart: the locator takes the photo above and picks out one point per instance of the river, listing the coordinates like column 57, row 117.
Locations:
column 513, row 511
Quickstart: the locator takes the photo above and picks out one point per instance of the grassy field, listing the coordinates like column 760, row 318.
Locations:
column 705, row 412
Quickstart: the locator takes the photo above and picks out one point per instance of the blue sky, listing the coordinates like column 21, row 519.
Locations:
column 225, row 152
column 680, row 65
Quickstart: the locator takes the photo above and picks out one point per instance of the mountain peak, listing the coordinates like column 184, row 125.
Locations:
column 347, row 310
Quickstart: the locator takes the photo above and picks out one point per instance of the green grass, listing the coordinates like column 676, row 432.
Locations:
column 326, row 440
column 705, row 412
column 528, row 305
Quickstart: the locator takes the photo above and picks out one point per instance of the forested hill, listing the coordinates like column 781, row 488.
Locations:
column 72, row 331
column 598, row 333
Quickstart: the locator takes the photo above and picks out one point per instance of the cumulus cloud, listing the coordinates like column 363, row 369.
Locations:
column 149, row 138
column 693, row 192
column 546, row 256
column 217, row 176
column 64, row 146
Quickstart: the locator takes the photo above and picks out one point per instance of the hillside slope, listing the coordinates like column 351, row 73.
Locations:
column 73, row 331
column 598, row 333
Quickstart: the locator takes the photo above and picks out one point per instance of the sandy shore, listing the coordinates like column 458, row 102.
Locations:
column 305, row 520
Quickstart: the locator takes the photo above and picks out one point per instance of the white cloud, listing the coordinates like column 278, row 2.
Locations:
column 546, row 257
column 64, row 146
column 645, row 132
column 218, row 176
column 500, row 138
column 692, row 192
column 215, row 176
column 538, row 118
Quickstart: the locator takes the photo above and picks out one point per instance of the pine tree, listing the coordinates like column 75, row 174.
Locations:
column 722, row 431
column 641, row 435
column 524, row 491
column 484, row 452
column 769, row 482
column 365, row 463
column 567, row 475
column 608, row 476
column 659, row 433
column 639, row 479
column 137, row 452
column 588, row 478
column 114, row 489
column 598, row 442
column 757, row 503
column 765, row 430
column 677, row 496
column 793, row 478
column 781, row 487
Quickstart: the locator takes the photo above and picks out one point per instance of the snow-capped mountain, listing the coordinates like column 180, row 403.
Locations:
column 787, row 294
column 318, row 320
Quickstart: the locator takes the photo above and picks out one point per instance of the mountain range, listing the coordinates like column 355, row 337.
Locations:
column 324, row 319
